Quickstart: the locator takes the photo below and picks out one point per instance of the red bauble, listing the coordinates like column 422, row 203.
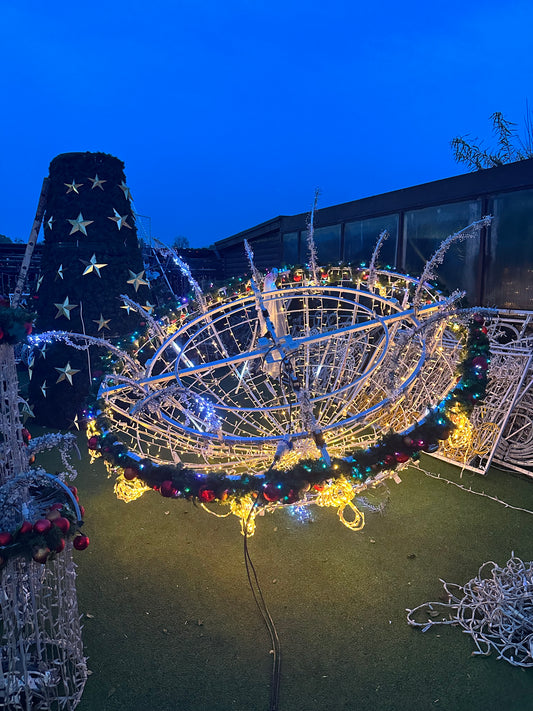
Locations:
column 130, row 473
column 42, row 525
column 26, row 528
column 206, row 495
column 480, row 362
column 62, row 523
column 271, row 492
column 168, row 489
column 318, row 487
column 60, row 546
column 57, row 506
column 80, row 542
column 26, row 436
column 28, row 327
column 40, row 554
column 292, row 496
column 92, row 442
column 390, row 461
column 5, row 538
column 401, row 457
column 82, row 511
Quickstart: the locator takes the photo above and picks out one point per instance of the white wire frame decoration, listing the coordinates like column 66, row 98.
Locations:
column 500, row 432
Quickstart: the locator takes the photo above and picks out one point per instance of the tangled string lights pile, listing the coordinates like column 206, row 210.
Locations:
column 282, row 394
column 495, row 608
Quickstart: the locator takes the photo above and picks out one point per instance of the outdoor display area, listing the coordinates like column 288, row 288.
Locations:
column 169, row 621
column 298, row 393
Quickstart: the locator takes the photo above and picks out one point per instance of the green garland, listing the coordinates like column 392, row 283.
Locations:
column 288, row 487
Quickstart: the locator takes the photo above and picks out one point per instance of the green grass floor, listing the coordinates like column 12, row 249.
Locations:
column 170, row 623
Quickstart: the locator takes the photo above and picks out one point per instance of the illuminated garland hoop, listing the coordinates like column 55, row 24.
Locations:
column 282, row 395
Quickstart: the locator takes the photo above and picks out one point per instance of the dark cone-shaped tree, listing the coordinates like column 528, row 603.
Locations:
column 91, row 255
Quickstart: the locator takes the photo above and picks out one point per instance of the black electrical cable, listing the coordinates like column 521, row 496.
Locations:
column 275, row 678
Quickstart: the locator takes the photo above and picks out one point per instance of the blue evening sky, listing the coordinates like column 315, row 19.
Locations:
column 229, row 113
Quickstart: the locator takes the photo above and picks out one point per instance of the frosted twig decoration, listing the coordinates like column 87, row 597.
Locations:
column 471, row 230
column 195, row 407
column 256, row 276
column 82, row 343
column 63, row 442
column 372, row 269
column 154, row 329
column 186, row 271
column 311, row 246
column 495, row 608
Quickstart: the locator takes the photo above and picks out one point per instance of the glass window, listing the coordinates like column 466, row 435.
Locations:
column 509, row 260
column 291, row 254
column 426, row 229
column 360, row 239
column 328, row 244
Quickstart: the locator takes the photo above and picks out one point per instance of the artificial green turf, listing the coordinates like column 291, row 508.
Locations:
column 170, row 623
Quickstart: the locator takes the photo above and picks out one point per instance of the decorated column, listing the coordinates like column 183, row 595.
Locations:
column 91, row 256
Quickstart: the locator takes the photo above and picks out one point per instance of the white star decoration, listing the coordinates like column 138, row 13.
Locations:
column 50, row 223
column 148, row 307
column 66, row 373
column 121, row 220
column 92, row 266
column 127, row 306
column 73, row 187
column 97, row 182
column 137, row 279
column 102, row 323
column 125, row 190
column 60, row 271
column 79, row 225
column 65, row 308
column 44, row 388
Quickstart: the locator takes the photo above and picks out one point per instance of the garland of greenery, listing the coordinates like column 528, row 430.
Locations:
column 288, row 487
column 15, row 324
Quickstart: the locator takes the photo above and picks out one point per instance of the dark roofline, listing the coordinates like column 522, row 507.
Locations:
column 473, row 185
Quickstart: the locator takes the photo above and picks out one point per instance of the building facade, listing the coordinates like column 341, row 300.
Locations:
column 495, row 268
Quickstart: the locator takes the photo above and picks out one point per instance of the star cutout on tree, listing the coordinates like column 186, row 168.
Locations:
column 44, row 388
column 75, row 422
column 43, row 350
column 73, row 187
column 102, row 323
column 79, row 225
column 126, row 305
column 97, row 182
column 39, row 282
column 148, row 307
column 125, row 190
column 65, row 308
column 50, row 223
column 137, row 279
column 121, row 220
column 60, row 272
column 26, row 411
column 92, row 266
column 66, row 373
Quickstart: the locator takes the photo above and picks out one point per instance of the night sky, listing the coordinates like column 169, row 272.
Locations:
column 227, row 114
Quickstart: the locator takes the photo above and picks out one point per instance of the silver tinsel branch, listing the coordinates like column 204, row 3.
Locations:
column 311, row 246
column 81, row 343
column 154, row 329
column 186, row 271
column 429, row 270
column 256, row 276
column 372, row 269
column 64, row 443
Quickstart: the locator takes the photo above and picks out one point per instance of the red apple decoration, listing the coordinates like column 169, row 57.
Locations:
column 130, row 473
column 5, row 538
column 62, row 523
column 42, row 525
column 60, row 546
column 80, row 542
column 27, row 527
column 167, row 488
